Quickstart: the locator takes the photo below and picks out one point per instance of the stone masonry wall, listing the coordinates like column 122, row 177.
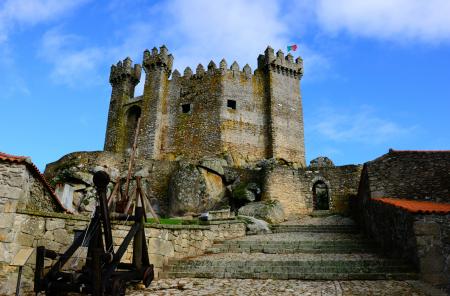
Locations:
column 294, row 187
column 56, row 232
column 244, row 129
column 421, row 175
column 196, row 133
column 423, row 239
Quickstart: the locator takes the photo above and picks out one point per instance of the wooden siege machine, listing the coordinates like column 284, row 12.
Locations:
column 103, row 272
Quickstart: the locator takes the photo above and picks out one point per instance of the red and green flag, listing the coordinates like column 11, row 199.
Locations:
column 292, row 47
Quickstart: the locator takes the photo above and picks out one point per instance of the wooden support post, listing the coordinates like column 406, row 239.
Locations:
column 143, row 195
column 131, row 163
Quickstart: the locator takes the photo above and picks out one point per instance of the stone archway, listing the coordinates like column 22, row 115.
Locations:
column 133, row 115
column 321, row 193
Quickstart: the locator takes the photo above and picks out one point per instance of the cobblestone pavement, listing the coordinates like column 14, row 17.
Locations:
column 197, row 286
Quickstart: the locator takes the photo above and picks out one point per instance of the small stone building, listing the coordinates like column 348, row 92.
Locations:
column 404, row 204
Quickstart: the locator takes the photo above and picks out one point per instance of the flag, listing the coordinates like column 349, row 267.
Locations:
column 292, row 47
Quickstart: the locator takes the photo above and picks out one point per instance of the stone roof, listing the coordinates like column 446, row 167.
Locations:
column 415, row 206
column 35, row 171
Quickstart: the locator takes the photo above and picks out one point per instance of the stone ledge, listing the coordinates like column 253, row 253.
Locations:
column 53, row 215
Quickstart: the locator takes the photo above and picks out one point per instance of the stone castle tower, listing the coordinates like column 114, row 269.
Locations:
column 215, row 112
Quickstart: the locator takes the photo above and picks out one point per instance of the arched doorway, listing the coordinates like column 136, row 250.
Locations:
column 133, row 115
column 321, row 198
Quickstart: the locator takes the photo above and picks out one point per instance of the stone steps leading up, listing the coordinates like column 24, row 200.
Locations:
column 307, row 252
column 315, row 228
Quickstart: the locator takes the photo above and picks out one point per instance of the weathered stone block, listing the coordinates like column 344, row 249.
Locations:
column 61, row 236
column 161, row 247
column 52, row 224
column 33, row 225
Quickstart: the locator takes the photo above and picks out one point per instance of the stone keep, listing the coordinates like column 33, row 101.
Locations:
column 215, row 112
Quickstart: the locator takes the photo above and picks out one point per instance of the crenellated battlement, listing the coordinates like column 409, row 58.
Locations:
column 158, row 60
column 212, row 70
column 280, row 63
column 124, row 71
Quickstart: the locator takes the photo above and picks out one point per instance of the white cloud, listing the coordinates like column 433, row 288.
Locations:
column 235, row 30
column 359, row 124
column 195, row 32
column 399, row 20
column 30, row 12
column 71, row 66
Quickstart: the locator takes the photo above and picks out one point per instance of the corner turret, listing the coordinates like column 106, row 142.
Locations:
column 123, row 78
column 154, row 60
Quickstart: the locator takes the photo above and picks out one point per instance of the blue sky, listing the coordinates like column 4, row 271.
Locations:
column 377, row 73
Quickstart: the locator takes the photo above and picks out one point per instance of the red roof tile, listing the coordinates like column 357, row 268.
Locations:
column 33, row 168
column 415, row 206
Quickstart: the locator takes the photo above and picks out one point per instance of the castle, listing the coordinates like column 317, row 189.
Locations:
column 221, row 133
column 216, row 111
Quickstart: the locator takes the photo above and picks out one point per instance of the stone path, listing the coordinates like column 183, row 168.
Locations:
column 226, row 287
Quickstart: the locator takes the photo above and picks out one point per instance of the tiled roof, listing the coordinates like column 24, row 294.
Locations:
column 417, row 207
column 418, row 151
column 33, row 168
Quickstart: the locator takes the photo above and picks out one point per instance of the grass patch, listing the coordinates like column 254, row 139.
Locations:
column 173, row 221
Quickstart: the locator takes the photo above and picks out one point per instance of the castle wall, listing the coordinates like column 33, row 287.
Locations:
column 244, row 129
column 194, row 134
column 421, row 175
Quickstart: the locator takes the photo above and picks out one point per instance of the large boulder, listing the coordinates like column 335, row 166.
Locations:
column 255, row 226
column 214, row 164
column 194, row 190
column 270, row 211
column 321, row 162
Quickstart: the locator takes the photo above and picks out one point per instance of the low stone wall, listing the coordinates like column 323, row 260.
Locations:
column 423, row 239
column 56, row 232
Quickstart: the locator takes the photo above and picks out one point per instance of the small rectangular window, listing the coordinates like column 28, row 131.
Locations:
column 231, row 104
column 186, row 108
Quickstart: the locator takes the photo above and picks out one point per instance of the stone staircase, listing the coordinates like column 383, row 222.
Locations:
column 308, row 252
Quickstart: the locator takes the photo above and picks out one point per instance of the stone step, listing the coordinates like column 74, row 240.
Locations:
column 273, row 247
column 315, row 228
column 295, row 266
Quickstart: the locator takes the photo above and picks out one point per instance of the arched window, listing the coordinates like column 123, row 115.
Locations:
column 321, row 198
column 133, row 115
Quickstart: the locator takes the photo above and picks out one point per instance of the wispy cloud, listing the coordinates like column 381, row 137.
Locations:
column 195, row 32
column 399, row 20
column 15, row 13
column 72, row 65
column 360, row 124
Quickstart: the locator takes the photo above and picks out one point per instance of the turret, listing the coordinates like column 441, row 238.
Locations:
column 123, row 78
column 158, row 67
column 161, row 61
column 285, row 114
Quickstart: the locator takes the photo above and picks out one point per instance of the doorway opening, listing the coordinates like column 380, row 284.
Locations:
column 133, row 115
column 321, row 198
